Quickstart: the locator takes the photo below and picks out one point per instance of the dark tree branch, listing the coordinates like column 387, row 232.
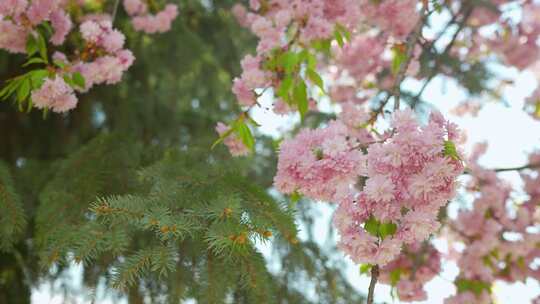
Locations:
column 372, row 283
column 509, row 169
column 528, row 166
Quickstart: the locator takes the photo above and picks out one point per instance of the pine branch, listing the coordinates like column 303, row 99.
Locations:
column 12, row 217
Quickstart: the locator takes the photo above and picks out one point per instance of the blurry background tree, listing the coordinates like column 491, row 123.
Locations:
column 127, row 185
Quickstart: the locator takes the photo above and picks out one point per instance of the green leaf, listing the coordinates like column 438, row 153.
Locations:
column 339, row 38
column 284, row 88
column 244, row 133
column 34, row 60
column 24, row 90
column 372, row 226
column 398, row 57
column 315, row 78
column 395, row 276
column 9, row 89
column 69, row 80
column 386, row 229
column 300, row 98
column 48, row 28
column 289, row 61
column 344, row 32
column 59, row 63
column 365, row 268
column 37, row 77
column 42, row 47
column 450, row 150
column 378, row 229
column 78, row 80
column 323, row 46
column 311, row 61
column 31, row 45
column 521, row 263
column 437, row 6
column 475, row 286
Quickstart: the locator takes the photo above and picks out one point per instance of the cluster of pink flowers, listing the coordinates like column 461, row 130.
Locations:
column 55, row 94
column 101, row 59
column 321, row 164
column 362, row 57
column 411, row 270
column 315, row 19
column 252, row 77
column 113, row 60
column 19, row 17
column 499, row 243
column 396, row 18
column 150, row 23
column 312, row 21
column 407, row 175
column 271, row 22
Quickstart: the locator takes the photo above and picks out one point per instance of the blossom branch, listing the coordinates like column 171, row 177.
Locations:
column 372, row 283
column 395, row 91
column 524, row 167
column 411, row 42
column 509, row 169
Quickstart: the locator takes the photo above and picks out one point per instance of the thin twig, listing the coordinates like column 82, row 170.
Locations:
column 115, row 10
column 509, row 169
column 528, row 166
column 411, row 43
column 447, row 49
column 372, row 283
column 395, row 91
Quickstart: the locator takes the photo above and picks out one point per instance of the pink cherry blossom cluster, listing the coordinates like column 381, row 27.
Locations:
column 362, row 57
column 500, row 240
column 321, row 164
column 513, row 41
column 105, row 59
column 409, row 176
column 283, row 25
column 101, row 59
column 55, row 94
column 402, row 180
column 411, row 270
column 150, row 23
column 18, row 18
column 396, row 18
column 313, row 19
column 252, row 77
